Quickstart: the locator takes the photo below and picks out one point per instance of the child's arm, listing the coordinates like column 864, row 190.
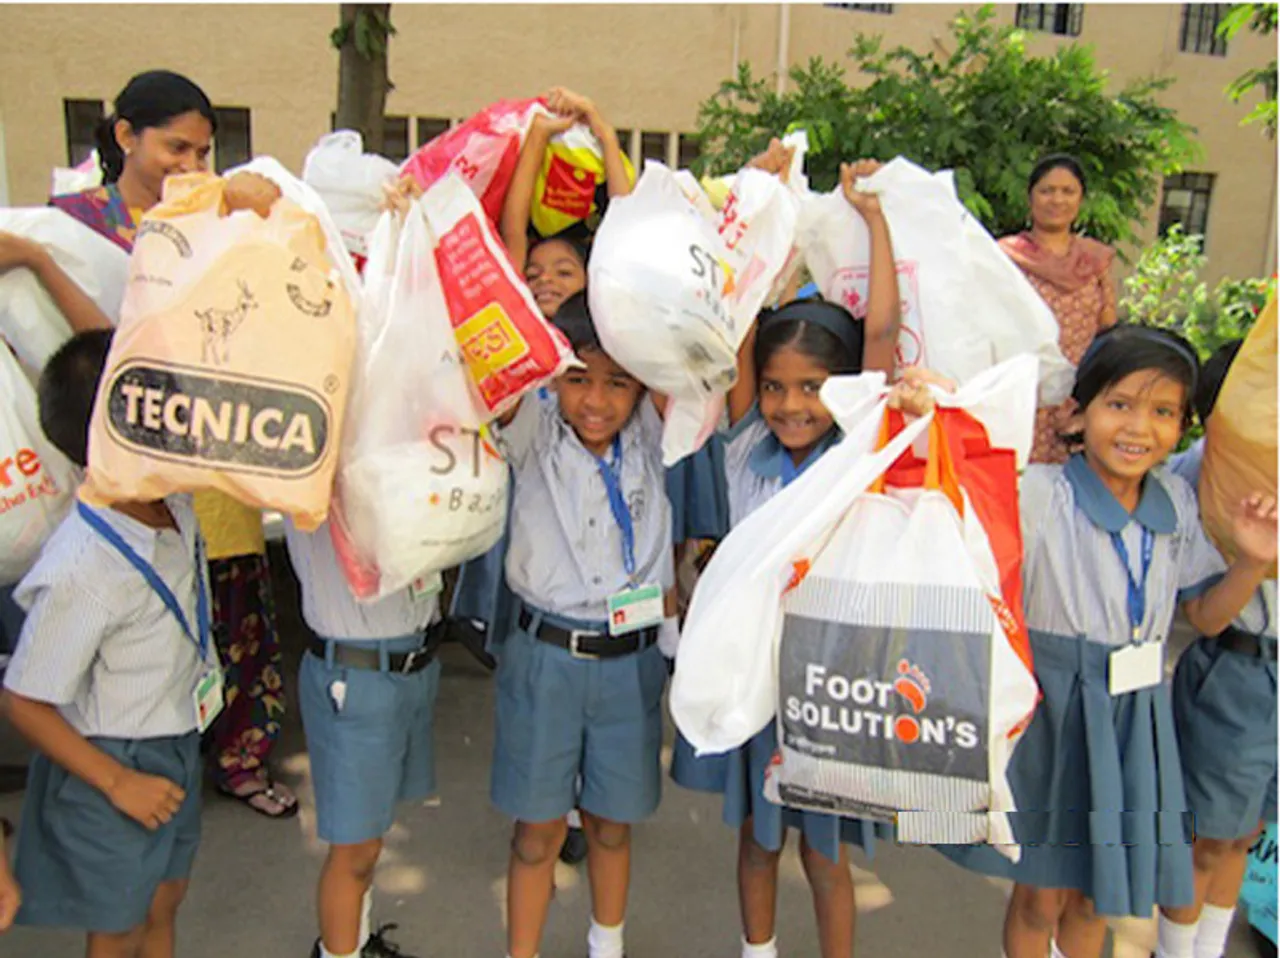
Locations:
column 742, row 394
column 81, row 312
column 514, row 227
column 1254, row 533
column 880, row 327
column 148, row 799
column 10, row 896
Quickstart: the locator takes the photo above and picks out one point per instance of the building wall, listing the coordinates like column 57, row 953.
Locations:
column 648, row 66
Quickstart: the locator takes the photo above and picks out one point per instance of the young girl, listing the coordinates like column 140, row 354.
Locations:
column 780, row 428
column 1112, row 546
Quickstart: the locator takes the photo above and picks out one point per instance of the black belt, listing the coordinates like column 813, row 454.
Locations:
column 405, row 663
column 589, row 644
column 1246, row 643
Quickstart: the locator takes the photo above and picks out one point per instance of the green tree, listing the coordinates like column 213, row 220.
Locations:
column 362, row 37
column 1261, row 19
column 987, row 109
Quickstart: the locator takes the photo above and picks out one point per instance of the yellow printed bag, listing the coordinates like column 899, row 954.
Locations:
column 569, row 182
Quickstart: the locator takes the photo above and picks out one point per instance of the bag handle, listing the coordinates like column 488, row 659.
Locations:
column 939, row 467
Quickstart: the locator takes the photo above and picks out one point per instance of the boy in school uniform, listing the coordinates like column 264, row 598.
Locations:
column 112, row 682
column 367, row 691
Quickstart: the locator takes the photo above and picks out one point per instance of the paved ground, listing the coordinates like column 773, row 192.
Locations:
column 442, row 878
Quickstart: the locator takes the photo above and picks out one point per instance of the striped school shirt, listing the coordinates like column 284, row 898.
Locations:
column 98, row 642
column 753, row 467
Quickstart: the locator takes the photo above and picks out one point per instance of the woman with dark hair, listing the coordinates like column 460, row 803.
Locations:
column 1069, row 271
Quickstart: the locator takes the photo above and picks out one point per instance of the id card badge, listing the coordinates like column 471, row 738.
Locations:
column 634, row 609
column 1135, row 667
column 208, row 698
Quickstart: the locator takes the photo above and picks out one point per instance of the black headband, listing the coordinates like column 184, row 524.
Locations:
column 836, row 320
column 1151, row 335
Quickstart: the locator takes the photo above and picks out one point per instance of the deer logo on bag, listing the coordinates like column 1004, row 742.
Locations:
column 217, row 325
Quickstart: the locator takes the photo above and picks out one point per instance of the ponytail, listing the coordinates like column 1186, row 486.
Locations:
column 110, row 156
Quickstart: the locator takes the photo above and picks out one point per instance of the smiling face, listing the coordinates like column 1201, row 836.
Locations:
column 1055, row 200
column 597, row 401
column 1130, row 427
column 180, row 146
column 789, row 384
column 554, row 272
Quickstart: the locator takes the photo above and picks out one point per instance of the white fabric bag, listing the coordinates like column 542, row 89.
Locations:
column 350, row 182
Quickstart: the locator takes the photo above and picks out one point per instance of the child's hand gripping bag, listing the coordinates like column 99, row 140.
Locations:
column 571, row 183
column 29, row 319
column 232, row 362
column 36, row 481
column 421, row 485
column 483, row 150
column 507, row 344
column 1240, row 437
column 350, row 182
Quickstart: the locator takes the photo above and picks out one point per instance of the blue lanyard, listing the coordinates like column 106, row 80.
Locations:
column 158, row 585
column 612, row 476
column 1137, row 588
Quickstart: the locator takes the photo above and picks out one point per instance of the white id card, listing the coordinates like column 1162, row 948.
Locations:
column 634, row 609
column 1135, row 667
column 208, row 697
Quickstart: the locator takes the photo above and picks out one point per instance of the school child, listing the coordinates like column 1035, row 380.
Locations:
column 1112, row 544
column 113, row 681
column 780, row 428
column 580, row 677
column 367, row 691
column 1224, row 708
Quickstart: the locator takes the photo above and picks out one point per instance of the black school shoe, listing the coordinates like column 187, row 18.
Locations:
column 376, row 947
column 574, row 849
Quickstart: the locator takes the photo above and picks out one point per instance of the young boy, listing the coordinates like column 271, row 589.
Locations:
column 367, row 691
column 580, row 676
column 112, row 669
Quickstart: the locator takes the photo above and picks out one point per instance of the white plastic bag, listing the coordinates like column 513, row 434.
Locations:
column 36, row 481
column 421, row 485
column 77, row 179
column 965, row 306
column 350, row 182
column 29, row 319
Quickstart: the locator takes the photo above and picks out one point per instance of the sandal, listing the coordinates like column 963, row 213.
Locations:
column 287, row 804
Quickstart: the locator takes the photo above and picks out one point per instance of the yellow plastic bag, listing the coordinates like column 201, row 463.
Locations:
column 572, row 171
column 1240, row 438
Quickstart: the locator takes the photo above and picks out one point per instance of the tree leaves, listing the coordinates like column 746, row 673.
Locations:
column 1260, row 18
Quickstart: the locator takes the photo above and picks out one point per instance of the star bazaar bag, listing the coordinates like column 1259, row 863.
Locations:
column 36, row 481
column 965, row 306
column 231, row 365
column 1258, row 893
column 507, row 344
column 421, row 487
column 1240, row 437
column 904, row 678
column 571, row 184
column 350, row 182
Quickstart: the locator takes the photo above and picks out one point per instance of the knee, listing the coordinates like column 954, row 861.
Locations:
column 356, row 861
column 1209, row 853
column 165, row 902
column 534, row 845
column 822, row 872
column 1037, row 908
column 611, row 836
column 754, row 855
column 1241, row 846
column 1080, row 907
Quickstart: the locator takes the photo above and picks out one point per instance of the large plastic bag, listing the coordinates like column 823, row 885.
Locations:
column 421, row 486
column 673, row 295
column 232, row 362
column 571, row 180
column 965, row 306
column 725, row 686
column 77, row 179
column 483, row 150
column 29, row 319
column 1240, row 437
column 350, row 182
column 36, row 481
column 507, row 344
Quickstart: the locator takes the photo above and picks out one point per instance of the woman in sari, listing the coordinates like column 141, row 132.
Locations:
column 164, row 125
column 1069, row 271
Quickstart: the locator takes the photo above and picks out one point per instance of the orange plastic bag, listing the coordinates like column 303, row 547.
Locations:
column 232, row 361
column 1240, row 438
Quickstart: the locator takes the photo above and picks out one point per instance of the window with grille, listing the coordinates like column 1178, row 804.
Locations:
column 1200, row 29
column 1186, row 202
column 233, row 143
column 653, row 146
column 689, row 150
column 1064, row 19
column 81, row 117
column 864, row 7
column 429, row 127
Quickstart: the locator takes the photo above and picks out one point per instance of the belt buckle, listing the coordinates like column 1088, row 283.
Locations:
column 574, row 636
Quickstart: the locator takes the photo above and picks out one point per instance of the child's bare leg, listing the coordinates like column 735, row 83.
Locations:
column 833, row 899
column 346, row 876
column 161, row 928
column 1031, row 920
column 1082, row 931
column 1227, row 874
column 757, row 887
column 126, row 944
column 530, row 882
column 608, row 867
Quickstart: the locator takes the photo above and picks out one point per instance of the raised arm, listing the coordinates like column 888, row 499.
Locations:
column 514, row 227
column 81, row 312
column 1253, row 530
column 884, row 314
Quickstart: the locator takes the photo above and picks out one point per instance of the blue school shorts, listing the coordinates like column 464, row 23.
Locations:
column 372, row 747
column 561, row 717
column 81, row 863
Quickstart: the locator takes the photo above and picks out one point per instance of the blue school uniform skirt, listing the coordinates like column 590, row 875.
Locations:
column 1224, row 705
column 698, row 494
column 1098, row 787
column 739, row 776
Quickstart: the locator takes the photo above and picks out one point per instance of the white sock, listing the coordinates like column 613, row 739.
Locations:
column 1214, row 928
column 1055, row 951
column 326, row 953
column 1176, row 941
column 604, row 942
column 366, row 917
column 768, row 950
column 574, row 818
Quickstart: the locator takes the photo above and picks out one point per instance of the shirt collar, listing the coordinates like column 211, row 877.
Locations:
column 766, row 459
column 1155, row 508
column 141, row 537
